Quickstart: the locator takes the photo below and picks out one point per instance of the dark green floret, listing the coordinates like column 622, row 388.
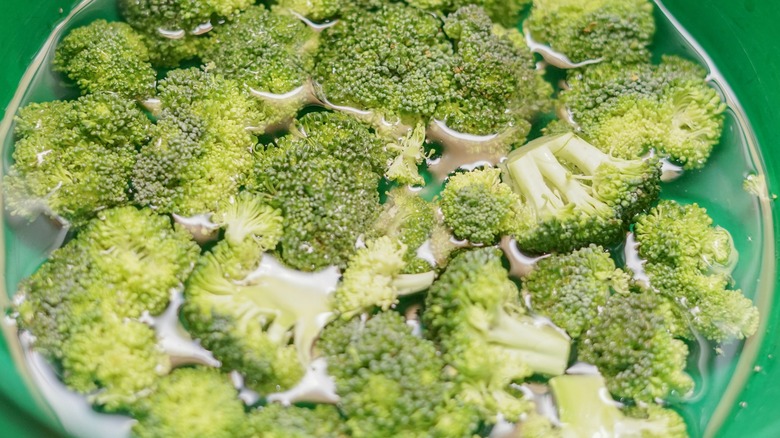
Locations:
column 629, row 110
column 633, row 345
column 594, row 30
column 106, row 56
column 73, row 159
column 505, row 13
column 571, row 289
column 574, row 194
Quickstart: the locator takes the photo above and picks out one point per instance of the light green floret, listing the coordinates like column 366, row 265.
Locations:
column 106, row 56
column 629, row 110
column 175, row 30
column 570, row 289
column 247, row 216
column 594, row 30
column 632, row 343
column 73, row 159
column 478, row 206
column 410, row 219
column 277, row 421
column 584, row 411
column 574, row 194
column 407, row 153
column 474, row 313
column 195, row 402
column 374, row 278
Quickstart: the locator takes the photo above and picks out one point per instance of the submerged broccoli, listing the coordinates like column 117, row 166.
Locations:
column 106, row 56
column 572, row 288
column 594, row 30
column 631, row 341
column 196, row 402
column 574, row 194
column 473, row 311
column 584, row 411
column 478, row 206
column 73, row 159
column 627, row 111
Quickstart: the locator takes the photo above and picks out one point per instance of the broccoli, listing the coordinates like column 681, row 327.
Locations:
column 571, row 288
column 632, row 344
column 202, row 150
column 584, row 411
column 174, row 30
column 326, row 185
column 478, row 206
column 629, row 110
column 474, row 313
column 374, row 278
column 409, row 153
column 394, row 62
column 616, row 31
column 277, row 421
column 410, row 219
column 391, row 382
column 106, row 56
column 195, row 402
column 73, row 159
column 247, row 216
column 574, row 194
column 505, row 13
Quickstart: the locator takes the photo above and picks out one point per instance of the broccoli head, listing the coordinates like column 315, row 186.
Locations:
column 629, row 110
column 594, row 30
column 73, row 159
column 478, row 206
column 196, row 402
column 574, row 194
column 631, row 343
column 105, row 56
column 473, row 311
column 571, row 288
column 505, row 13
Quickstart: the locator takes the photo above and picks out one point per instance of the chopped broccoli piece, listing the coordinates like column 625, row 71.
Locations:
column 196, row 402
column 473, row 311
column 584, row 411
column 627, row 111
column 631, row 344
column 410, row 219
column 391, row 382
column 73, row 159
column 478, row 206
column 594, row 30
column 571, row 288
column 394, row 62
column 106, row 56
column 409, row 153
column 249, row 216
column 574, row 194
column 374, row 278
column 277, row 421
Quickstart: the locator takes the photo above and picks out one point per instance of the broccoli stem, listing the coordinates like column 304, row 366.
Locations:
column 407, row 284
column 582, row 154
column 561, row 178
column 544, row 348
column 528, row 180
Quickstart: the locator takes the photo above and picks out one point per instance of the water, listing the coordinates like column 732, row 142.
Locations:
column 718, row 187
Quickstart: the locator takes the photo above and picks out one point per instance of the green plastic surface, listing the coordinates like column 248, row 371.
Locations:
column 740, row 36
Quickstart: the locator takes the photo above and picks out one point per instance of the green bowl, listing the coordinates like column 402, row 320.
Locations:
column 735, row 398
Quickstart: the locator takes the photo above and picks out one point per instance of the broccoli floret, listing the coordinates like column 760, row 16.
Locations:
column 628, row 111
column 277, row 421
column 505, row 13
column 266, row 50
column 474, row 313
column 584, row 411
column 174, row 30
column 631, row 344
column 394, row 62
column 124, row 263
column 249, row 216
column 574, row 194
column 106, row 56
column 73, row 159
column 478, row 206
column 408, row 153
column 594, row 30
column 571, row 288
column 327, row 188
column 391, row 382
column 410, row 219
column 196, row 402
column 201, row 153
column 114, row 361
column 374, row 278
